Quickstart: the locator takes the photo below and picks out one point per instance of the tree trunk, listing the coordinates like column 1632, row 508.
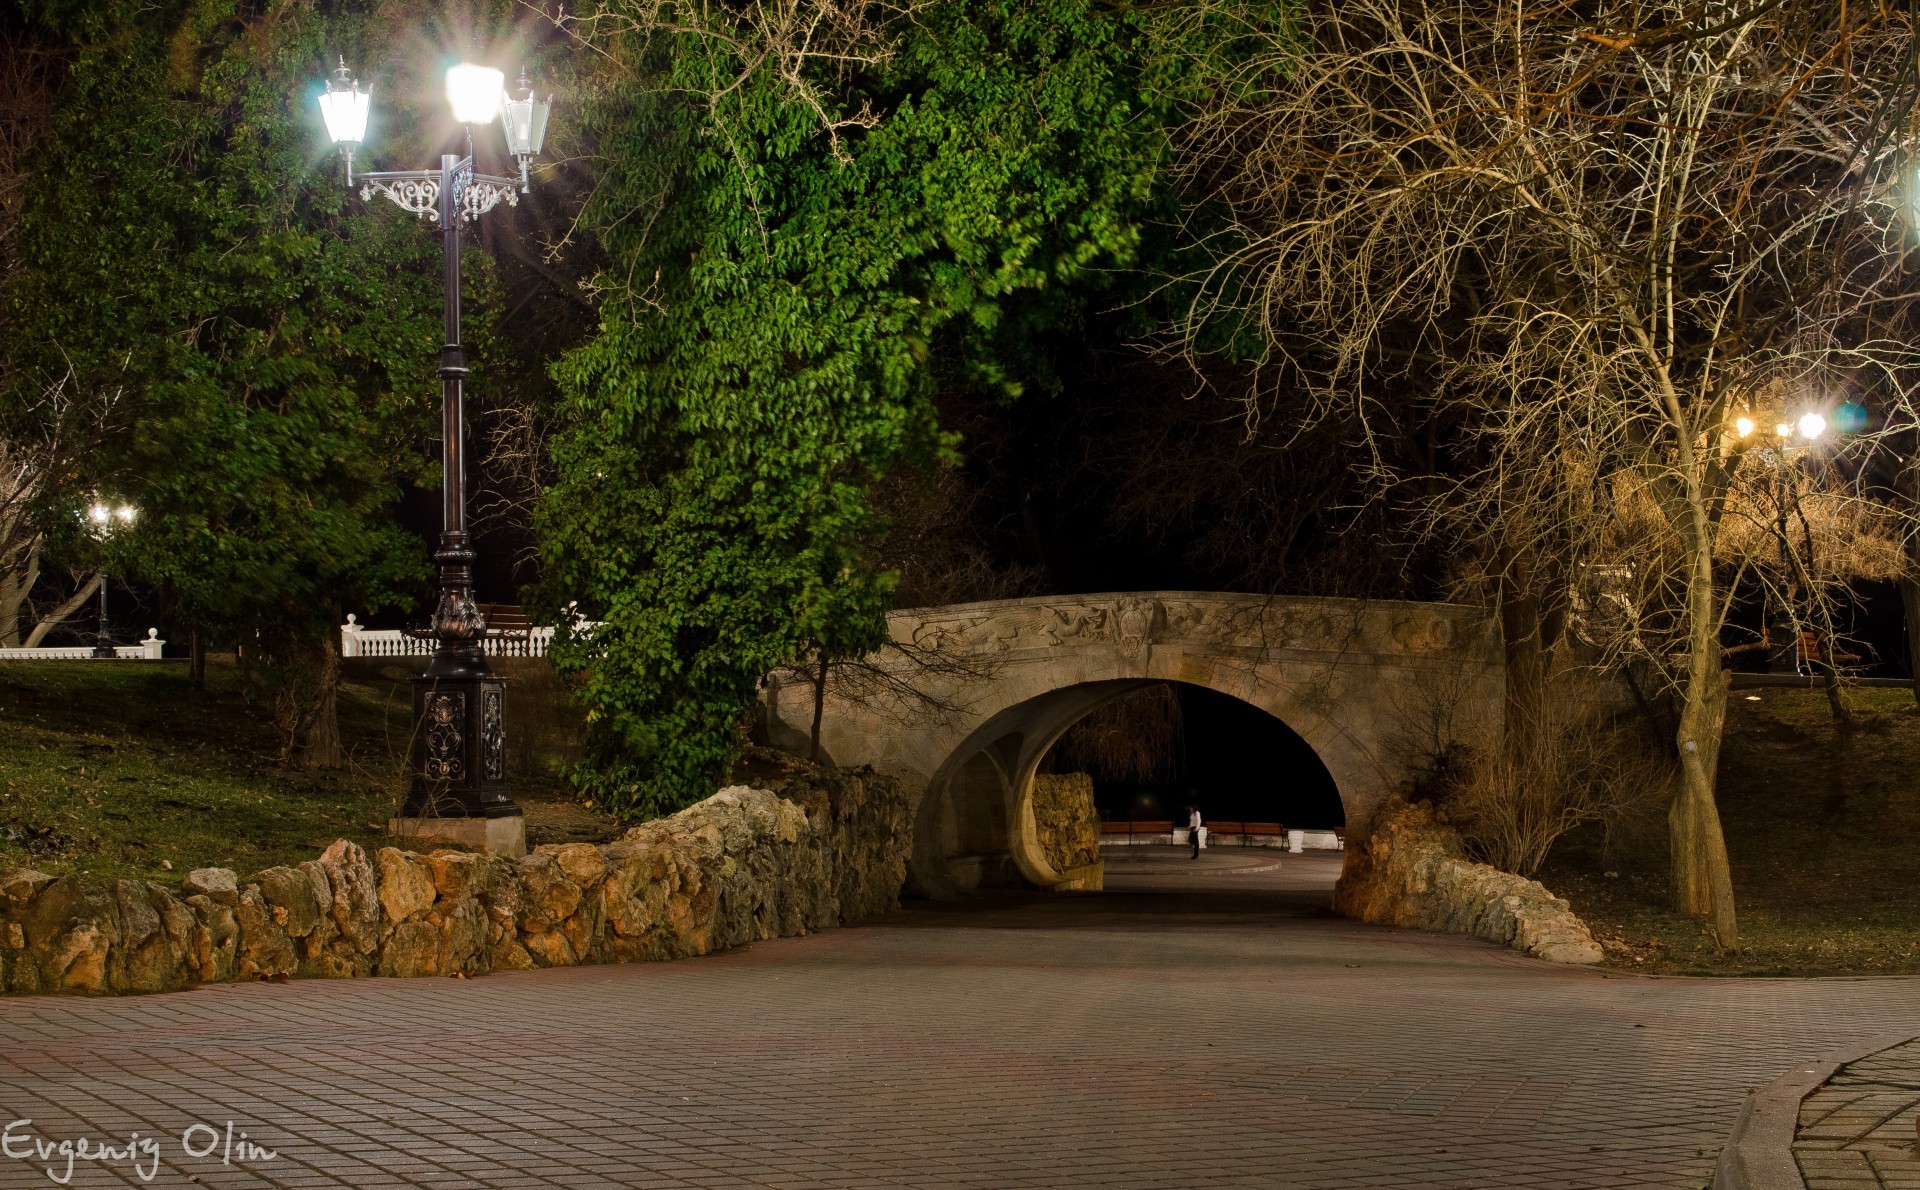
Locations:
column 320, row 747
column 1528, row 664
column 16, row 584
column 819, row 706
column 12, row 596
column 1910, row 603
column 1702, row 878
column 16, row 588
column 1909, row 487
column 197, row 663
column 60, row 615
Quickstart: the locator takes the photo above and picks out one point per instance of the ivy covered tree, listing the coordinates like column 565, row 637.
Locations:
column 810, row 226
column 188, row 244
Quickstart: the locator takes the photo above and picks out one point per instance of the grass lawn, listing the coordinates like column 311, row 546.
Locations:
column 1823, row 830
column 122, row 769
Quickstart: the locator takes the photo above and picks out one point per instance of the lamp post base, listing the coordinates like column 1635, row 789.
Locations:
column 459, row 744
column 506, row 836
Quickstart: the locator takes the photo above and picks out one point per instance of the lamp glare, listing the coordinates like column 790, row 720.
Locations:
column 475, row 92
column 1812, row 425
column 1743, row 426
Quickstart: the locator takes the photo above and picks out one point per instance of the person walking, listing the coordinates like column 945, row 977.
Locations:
column 1193, row 828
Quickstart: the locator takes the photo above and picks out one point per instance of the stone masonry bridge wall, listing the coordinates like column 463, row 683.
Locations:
column 971, row 697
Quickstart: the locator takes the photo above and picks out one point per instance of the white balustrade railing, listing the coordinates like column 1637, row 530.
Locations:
column 359, row 641
column 147, row 650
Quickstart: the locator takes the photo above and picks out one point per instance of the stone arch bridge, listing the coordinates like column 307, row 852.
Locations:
column 968, row 699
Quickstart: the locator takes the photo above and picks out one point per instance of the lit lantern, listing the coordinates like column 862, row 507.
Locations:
column 475, row 92
column 345, row 107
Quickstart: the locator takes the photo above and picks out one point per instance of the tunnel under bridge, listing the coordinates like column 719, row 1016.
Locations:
column 968, row 699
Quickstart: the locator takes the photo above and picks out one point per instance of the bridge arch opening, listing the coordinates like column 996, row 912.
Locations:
column 980, row 825
column 1153, row 753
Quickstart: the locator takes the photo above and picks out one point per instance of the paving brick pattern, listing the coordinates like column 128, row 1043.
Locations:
column 1859, row 1131
column 1200, row 1027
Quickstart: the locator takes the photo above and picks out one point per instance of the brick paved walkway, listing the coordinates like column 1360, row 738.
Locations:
column 1233, row 1037
column 1858, row 1131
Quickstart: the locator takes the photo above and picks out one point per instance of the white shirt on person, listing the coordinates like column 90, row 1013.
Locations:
column 1193, row 820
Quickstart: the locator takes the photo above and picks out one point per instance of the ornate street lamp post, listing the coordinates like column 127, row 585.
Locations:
column 459, row 786
column 102, row 520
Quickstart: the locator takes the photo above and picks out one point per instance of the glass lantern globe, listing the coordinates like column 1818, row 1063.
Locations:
column 524, row 118
column 344, row 106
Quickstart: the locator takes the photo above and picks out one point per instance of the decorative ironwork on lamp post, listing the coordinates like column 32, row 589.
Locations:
column 459, row 704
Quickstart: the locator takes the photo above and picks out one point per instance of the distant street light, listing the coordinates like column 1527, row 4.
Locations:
column 103, row 520
column 1783, row 631
column 459, row 705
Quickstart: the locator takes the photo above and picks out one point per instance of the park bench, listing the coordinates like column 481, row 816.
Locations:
column 1246, row 834
column 1131, row 829
column 506, row 619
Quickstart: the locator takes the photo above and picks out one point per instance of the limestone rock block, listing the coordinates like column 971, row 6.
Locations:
column 77, row 960
column 457, row 874
column 508, row 955
column 405, row 883
column 219, row 884
column 22, row 885
column 412, row 949
column 263, row 948
column 290, row 899
column 548, row 897
column 464, row 937
column 549, row 948
column 583, row 863
column 161, row 958
column 353, row 899
column 1068, row 825
column 71, row 929
column 215, row 939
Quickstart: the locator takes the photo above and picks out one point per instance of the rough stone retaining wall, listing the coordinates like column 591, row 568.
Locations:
column 1414, row 872
column 743, row 865
column 1069, row 826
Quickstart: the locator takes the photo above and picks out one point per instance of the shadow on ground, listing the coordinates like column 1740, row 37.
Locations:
column 1234, row 887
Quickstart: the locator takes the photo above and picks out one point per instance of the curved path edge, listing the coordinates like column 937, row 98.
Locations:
column 1759, row 1151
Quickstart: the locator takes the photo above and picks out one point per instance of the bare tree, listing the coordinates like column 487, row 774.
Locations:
column 904, row 682
column 1137, row 737
column 41, row 433
column 40, row 448
column 1595, row 234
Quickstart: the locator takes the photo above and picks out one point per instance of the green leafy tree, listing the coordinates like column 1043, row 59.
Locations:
column 805, row 239
column 188, row 241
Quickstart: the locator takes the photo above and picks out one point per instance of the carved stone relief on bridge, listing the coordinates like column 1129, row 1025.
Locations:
column 1037, row 626
column 1133, row 623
